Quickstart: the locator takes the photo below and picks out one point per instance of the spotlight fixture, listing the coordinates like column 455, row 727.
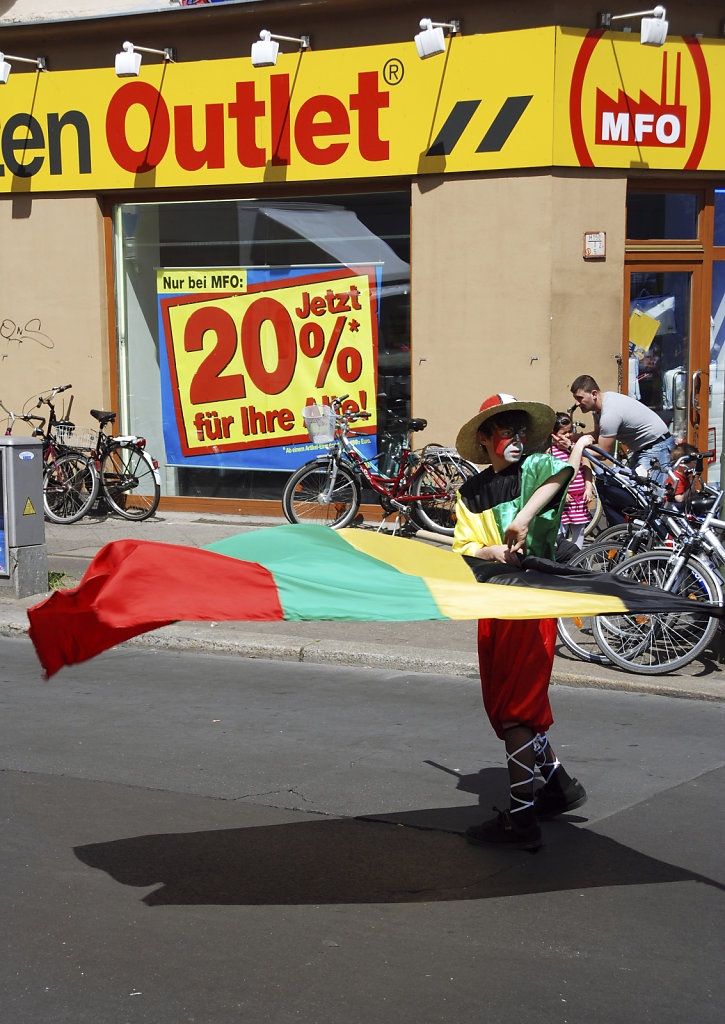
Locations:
column 128, row 61
column 430, row 40
column 264, row 51
column 40, row 62
column 653, row 28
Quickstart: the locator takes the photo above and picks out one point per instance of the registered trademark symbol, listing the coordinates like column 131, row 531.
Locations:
column 393, row 71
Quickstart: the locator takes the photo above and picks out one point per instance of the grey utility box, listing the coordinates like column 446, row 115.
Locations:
column 23, row 555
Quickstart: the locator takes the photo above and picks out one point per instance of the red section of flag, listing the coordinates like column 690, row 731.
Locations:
column 133, row 586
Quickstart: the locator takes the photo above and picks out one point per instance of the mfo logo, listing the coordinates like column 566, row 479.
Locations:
column 629, row 122
column 614, row 106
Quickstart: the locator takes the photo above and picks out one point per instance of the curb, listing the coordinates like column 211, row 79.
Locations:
column 193, row 638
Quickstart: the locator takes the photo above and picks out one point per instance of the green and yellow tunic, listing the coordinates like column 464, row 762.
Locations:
column 487, row 504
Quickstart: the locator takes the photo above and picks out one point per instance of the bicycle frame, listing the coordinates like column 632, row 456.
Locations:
column 396, row 489
column 703, row 539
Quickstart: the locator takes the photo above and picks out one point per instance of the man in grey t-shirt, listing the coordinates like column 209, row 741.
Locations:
column 621, row 418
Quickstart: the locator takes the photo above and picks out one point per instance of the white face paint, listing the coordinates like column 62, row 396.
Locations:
column 509, row 443
column 513, row 450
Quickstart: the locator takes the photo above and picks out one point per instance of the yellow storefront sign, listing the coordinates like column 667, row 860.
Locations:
column 359, row 112
column 534, row 98
column 621, row 104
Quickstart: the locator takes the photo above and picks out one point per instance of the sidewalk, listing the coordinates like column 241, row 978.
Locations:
column 445, row 648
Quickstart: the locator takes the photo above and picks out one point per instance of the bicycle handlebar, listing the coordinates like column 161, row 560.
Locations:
column 47, row 399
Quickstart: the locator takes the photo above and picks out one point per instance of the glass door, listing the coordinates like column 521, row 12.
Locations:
column 664, row 365
column 717, row 343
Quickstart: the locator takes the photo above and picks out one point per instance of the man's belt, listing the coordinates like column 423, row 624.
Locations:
column 658, row 440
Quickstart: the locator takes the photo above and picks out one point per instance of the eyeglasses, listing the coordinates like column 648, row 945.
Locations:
column 564, row 423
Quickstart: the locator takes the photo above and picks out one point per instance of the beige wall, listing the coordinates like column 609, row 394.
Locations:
column 502, row 297
column 53, row 304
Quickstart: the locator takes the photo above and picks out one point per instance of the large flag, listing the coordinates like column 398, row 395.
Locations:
column 310, row 573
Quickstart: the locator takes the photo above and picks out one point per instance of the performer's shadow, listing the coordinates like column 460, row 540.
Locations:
column 413, row 856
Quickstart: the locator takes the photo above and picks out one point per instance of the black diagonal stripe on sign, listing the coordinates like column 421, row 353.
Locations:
column 455, row 125
column 503, row 124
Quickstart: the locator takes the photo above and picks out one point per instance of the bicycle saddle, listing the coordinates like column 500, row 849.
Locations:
column 103, row 417
column 700, row 505
column 396, row 424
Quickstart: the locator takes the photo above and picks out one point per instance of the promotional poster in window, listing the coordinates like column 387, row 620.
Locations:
column 244, row 350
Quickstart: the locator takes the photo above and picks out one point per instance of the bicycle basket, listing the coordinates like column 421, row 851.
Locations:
column 320, row 423
column 76, row 437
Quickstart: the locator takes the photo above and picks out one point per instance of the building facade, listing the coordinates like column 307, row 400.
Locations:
column 212, row 244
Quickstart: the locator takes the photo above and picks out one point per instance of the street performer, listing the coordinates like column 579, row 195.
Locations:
column 509, row 511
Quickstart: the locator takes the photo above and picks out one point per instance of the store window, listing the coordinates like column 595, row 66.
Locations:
column 717, row 367
column 231, row 315
column 663, row 215
column 719, row 238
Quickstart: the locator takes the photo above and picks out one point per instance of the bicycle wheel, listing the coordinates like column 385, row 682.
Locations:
column 129, row 481
column 650, row 644
column 613, row 533
column 593, row 527
column 305, row 498
column 436, row 482
column 576, row 633
column 70, row 486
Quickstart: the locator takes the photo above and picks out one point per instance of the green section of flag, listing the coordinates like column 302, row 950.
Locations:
column 320, row 576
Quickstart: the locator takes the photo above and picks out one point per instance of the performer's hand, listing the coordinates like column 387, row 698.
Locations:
column 516, row 533
column 499, row 553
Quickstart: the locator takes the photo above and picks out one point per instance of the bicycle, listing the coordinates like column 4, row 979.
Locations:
column 70, row 481
column 646, row 526
column 653, row 644
column 129, row 478
column 419, row 487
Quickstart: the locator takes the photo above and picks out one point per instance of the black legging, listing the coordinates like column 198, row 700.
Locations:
column 614, row 500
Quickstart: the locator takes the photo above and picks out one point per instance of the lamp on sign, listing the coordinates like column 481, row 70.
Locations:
column 653, row 28
column 265, row 50
column 5, row 67
column 128, row 61
column 430, row 40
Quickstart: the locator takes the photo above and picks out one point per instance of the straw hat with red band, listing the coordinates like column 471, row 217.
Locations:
column 540, row 426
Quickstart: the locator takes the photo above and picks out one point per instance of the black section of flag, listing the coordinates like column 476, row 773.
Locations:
column 456, row 123
column 544, row 575
column 503, row 124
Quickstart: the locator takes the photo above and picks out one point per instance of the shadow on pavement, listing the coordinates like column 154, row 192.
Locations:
column 367, row 861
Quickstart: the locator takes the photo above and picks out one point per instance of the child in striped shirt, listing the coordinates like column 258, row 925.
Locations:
column 581, row 490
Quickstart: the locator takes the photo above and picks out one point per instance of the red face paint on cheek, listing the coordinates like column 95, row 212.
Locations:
column 501, row 444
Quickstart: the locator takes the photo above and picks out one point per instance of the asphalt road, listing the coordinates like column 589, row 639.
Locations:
column 208, row 839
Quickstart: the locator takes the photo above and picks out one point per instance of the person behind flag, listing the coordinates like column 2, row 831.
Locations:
column 509, row 511
column 576, row 515
column 622, row 418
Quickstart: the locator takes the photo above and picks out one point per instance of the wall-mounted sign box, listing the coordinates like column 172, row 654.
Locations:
column 595, row 245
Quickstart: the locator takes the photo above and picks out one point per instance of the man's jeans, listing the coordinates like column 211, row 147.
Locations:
column 615, row 498
column 660, row 452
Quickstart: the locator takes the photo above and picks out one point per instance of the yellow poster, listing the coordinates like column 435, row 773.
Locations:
column 245, row 360
column 642, row 329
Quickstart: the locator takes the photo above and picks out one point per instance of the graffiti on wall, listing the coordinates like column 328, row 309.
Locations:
column 11, row 333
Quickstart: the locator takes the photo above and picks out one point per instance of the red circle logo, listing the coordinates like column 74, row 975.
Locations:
column 637, row 121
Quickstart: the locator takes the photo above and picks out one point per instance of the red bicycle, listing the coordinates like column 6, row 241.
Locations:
column 420, row 491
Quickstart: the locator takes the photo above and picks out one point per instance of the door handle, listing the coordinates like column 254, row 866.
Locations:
column 695, row 397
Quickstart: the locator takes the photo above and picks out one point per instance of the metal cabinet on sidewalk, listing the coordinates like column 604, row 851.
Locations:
column 23, row 555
